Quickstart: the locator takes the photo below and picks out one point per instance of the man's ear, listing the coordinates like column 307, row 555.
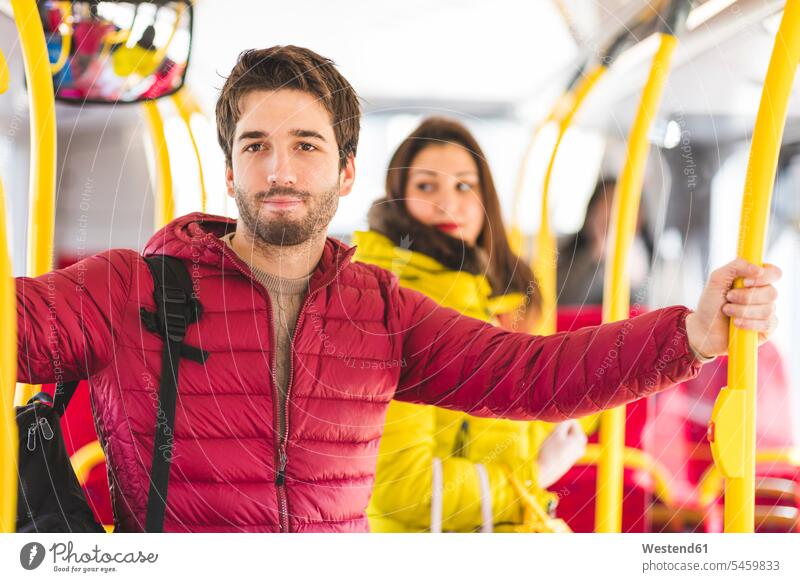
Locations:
column 347, row 176
column 229, row 180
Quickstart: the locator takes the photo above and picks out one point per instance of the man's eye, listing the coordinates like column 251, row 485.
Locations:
column 254, row 147
column 307, row 147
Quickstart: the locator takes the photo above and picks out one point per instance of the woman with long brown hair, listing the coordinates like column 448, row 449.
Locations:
column 440, row 230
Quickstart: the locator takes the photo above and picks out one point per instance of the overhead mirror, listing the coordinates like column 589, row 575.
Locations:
column 117, row 52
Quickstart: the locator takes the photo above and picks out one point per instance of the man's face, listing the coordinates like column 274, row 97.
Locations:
column 285, row 173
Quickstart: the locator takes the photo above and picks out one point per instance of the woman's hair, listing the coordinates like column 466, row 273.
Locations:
column 504, row 266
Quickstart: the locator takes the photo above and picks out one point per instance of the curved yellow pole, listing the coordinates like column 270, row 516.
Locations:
column 110, row 40
column 515, row 237
column 616, row 291
column 42, row 183
column 8, row 364
column 165, row 200
column 638, row 460
column 187, row 106
column 66, row 38
column 515, row 234
column 733, row 418
column 4, row 74
column 545, row 259
column 85, row 459
column 712, row 481
column 162, row 52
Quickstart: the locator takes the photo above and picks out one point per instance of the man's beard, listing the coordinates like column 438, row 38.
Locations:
column 286, row 231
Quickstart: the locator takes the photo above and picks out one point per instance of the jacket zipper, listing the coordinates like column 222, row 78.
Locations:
column 280, row 480
column 282, row 422
column 280, row 456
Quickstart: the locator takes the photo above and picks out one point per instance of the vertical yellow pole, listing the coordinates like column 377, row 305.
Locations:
column 43, row 137
column 616, row 292
column 4, row 74
column 563, row 110
column 66, row 38
column 187, row 106
column 165, row 200
column 42, row 183
column 732, row 432
column 545, row 259
column 514, row 232
column 8, row 364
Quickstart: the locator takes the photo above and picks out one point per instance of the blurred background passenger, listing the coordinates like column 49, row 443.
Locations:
column 581, row 256
column 439, row 229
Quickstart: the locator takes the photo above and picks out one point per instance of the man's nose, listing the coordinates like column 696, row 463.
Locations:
column 280, row 170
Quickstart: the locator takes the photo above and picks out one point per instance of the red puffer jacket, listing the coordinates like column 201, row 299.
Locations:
column 360, row 341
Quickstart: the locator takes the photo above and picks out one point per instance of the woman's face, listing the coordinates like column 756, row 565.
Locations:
column 444, row 192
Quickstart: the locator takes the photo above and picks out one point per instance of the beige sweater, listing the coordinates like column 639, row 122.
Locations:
column 286, row 296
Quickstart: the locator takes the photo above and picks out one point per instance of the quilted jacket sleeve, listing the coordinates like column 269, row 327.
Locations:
column 464, row 364
column 65, row 317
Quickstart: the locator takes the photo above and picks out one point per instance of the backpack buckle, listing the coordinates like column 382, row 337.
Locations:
column 174, row 319
column 174, row 295
column 175, row 326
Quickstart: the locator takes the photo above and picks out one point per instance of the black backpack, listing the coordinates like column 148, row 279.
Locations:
column 50, row 497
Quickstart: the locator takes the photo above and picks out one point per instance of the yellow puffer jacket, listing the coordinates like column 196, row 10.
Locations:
column 464, row 459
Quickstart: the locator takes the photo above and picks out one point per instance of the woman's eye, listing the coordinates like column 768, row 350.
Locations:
column 464, row 187
column 425, row 187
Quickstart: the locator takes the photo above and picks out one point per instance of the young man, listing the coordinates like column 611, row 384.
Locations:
column 279, row 428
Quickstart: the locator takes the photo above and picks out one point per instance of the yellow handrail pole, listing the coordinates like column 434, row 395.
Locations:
column 732, row 431
column 165, row 200
column 616, row 292
column 8, row 364
column 85, row 459
column 712, row 481
column 515, row 234
column 110, row 40
column 4, row 74
column 187, row 106
column 162, row 52
column 66, row 38
column 637, row 460
column 545, row 255
column 42, row 183
column 515, row 237
column 565, row 106
column 158, row 55
column 43, row 136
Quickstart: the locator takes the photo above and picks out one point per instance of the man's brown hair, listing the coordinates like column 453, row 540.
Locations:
column 290, row 67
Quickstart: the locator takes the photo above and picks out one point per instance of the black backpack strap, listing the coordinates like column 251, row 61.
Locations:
column 176, row 308
column 60, row 399
column 63, row 394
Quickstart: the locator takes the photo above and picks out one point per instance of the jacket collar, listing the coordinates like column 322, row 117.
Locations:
column 390, row 218
column 196, row 237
